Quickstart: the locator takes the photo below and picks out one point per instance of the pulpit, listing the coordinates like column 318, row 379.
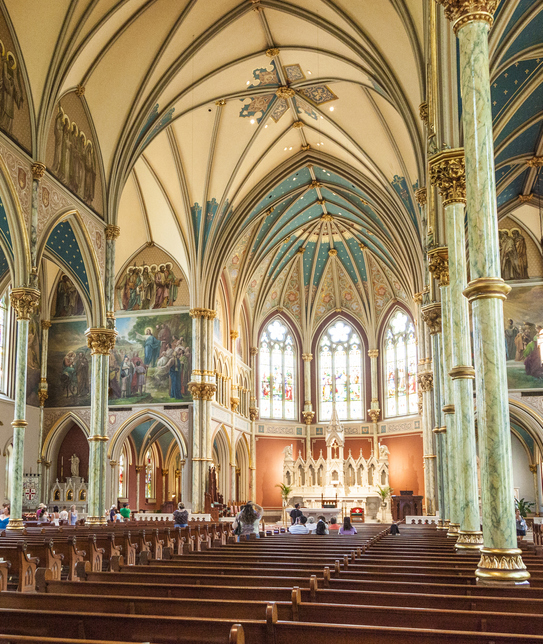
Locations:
column 406, row 504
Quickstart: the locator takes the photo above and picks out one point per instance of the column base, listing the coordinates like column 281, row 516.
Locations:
column 454, row 529
column 95, row 520
column 439, row 525
column 15, row 524
column 469, row 540
column 502, row 567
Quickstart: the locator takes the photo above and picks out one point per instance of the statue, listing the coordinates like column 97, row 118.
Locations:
column 383, row 452
column 288, row 453
column 74, row 461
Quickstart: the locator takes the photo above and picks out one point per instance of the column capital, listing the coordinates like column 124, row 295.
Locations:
column 234, row 403
column 113, row 463
column 45, row 324
column 112, row 232
column 417, row 298
column 423, row 113
column 431, row 314
column 42, row 396
column 438, row 264
column 307, row 357
column 101, row 341
column 421, row 196
column 25, row 301
column 308, row 416
column 234, row 335
column 426, row 381
column 487, row 287
column 165, row 472
column 253, row 351
column 38, row 170
column 460, row 12
column 202, row 390
column 253, row 413
column 209, row 314
column 374, row 414
column 448, row 173
column 373, row 353
column 140, row 468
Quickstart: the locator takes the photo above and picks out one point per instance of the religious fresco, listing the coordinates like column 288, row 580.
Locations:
column 66, row 299
column 513, row 255
column 33, row 372
column 523, row 312
column 72, row 155
column 14, row 108
column 152, row 359
column 150, row 364
column 152, row 280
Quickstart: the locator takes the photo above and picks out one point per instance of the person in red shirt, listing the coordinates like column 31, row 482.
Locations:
column 333, row 524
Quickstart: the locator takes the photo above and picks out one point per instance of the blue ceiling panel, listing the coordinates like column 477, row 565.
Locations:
column 524, row 143
column 513, row 190
column 63, row 244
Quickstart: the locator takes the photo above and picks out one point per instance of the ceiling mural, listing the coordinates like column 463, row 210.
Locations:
column 62, row 245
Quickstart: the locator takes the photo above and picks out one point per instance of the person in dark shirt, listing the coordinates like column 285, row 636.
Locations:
column 294, row 514
column 181, row 516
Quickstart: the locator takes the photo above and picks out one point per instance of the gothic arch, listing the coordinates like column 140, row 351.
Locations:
column 223, row 450
column 243, row 462
column 58, row 431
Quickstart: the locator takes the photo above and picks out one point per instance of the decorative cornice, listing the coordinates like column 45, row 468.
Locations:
column 38, row 170
column 25, row 301
column 462, row 371
column 438, row 264
column 461, row 12
column 285, row 92
column 487, row 287
column 421, row 196
column 448, row 173
column 112, row 232
column 45, row 324
column 274, row 51
column 426, row 381
column 431, row 314
column 209, row 314
column 101, row 341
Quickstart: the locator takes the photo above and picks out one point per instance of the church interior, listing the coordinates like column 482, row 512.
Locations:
column 273, row 252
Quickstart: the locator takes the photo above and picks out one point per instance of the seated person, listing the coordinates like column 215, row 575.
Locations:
column 333, row 524
column 311, row 525
column 5, row 518
column 347, row 527
column 322, row 526
column 394, row 529
column 295, row 514
column 300, row 526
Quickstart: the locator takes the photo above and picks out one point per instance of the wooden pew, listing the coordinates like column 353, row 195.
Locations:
column 22, row 565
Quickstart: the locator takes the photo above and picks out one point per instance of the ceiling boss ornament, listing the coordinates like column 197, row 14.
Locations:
column 448, row 173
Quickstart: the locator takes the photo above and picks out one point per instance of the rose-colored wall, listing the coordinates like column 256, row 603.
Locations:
column 269, row 468
column 405, row 463
column 405, row 460
column 75, row 442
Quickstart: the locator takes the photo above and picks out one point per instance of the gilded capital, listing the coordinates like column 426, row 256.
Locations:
column 25, row 301
column 426, row 381
column 431, row 314
column 234, row 335
column 373, row 353
column 417, row 298
column 460, row 12
column 308, row 416
column 448, row 173
column 421, row 196
column 45, row 324
column 253, row 413
column 112, row 232
column 253, row 351
column 374, row 414
column 42, row 396
column 307, row 357
column 202, row 390
column 438, row 264
column 101, row 341
column 38, row 170
column 209, row 314
column 285, row 92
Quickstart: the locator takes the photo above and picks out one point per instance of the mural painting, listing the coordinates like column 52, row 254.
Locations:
column 523, row 311
column 513, row 254
column 152, row 360
column 33, row 373
column 66, row 300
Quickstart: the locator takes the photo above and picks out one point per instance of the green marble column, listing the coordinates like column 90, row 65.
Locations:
column 24, row 301
column 43, row 395
column 448, row 173
column 253, row 415
column 112, row 232
column 100, row 342
column 501, row 561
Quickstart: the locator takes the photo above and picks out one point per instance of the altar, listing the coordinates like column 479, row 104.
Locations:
column 350, row 481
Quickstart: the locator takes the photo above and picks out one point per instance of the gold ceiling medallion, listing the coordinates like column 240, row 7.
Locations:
column 285, row 92
column 305, row 148
column 298, row 124
column 448, row 173
column 321, row 202
column 525, row 198
column 332, row 252
column 301, row 250
column 438, row 264
column 315, row 184
column 222, row 101
column 535, row 162
column 274, row 51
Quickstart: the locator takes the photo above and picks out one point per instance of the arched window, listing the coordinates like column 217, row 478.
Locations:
column 277, row 379
column 4, row 326
column 123, row 462
column 400, row 363
column 149, row 474
column 340, row 372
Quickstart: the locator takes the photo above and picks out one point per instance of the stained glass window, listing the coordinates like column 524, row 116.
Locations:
column 400, row 362
column 149, row 475
column 277, row 372
column 122, row 476
column 340, row 372
column 4, row 311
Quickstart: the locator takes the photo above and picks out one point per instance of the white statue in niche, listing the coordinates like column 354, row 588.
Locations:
column 74, row 465
column 288, row 453
column 383, row 452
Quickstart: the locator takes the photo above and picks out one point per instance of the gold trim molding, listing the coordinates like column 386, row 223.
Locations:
column 462, row 371
column 487, row 287
column 448, row 409
column 502, row 565
column 439, row 430
column 209, row 314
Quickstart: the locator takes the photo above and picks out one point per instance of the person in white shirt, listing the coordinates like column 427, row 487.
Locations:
column 311, row 525
column 63, row 516
column 300, row 526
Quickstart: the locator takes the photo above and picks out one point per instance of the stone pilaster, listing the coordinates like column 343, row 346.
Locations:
column 112, row 232
column 101, row 342
column 24, row 301
column 38, row 170
column 447, row 171
column 43, row 395
column 425, row 386
column 501, row 560
column 253, row 415
column 308, row 413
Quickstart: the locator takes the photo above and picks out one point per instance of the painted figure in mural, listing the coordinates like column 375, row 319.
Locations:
column 173, row 284
column 520, row 246
column 147, row 288
column 68, row 301
column 152, row 347
column 134, row 290
column 33, row 359
column 175, row 375
column 164, row 335
column 124, row 289
column 162, row 290
column 511, row 332
column 185, row 357
column 82, row 373
column 90, row 173
column 68, row 378
column 141, row 374
column 74, row 465
column 513, row 254
column 532, row 354
column 127, row 371
column 11, row 91
column 114, row 369
column 59, row 135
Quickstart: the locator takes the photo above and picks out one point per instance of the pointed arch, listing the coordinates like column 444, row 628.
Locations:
column 223, row 457
column 243, row 463
column 57, row 432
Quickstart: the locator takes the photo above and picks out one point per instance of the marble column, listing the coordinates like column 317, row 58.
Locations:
column 501, row 561
column 114, row 482
column 308, row 414
column 165, row 473
column 24, row 301
column 101, row 342
column 426, row 384
column 43, row 395
column 253, row 415
column 202, row 387
column 235, row 394
column 112, row 232
column 448, row 174
column 38, row 170
column 374, row 411
column 139, row 470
